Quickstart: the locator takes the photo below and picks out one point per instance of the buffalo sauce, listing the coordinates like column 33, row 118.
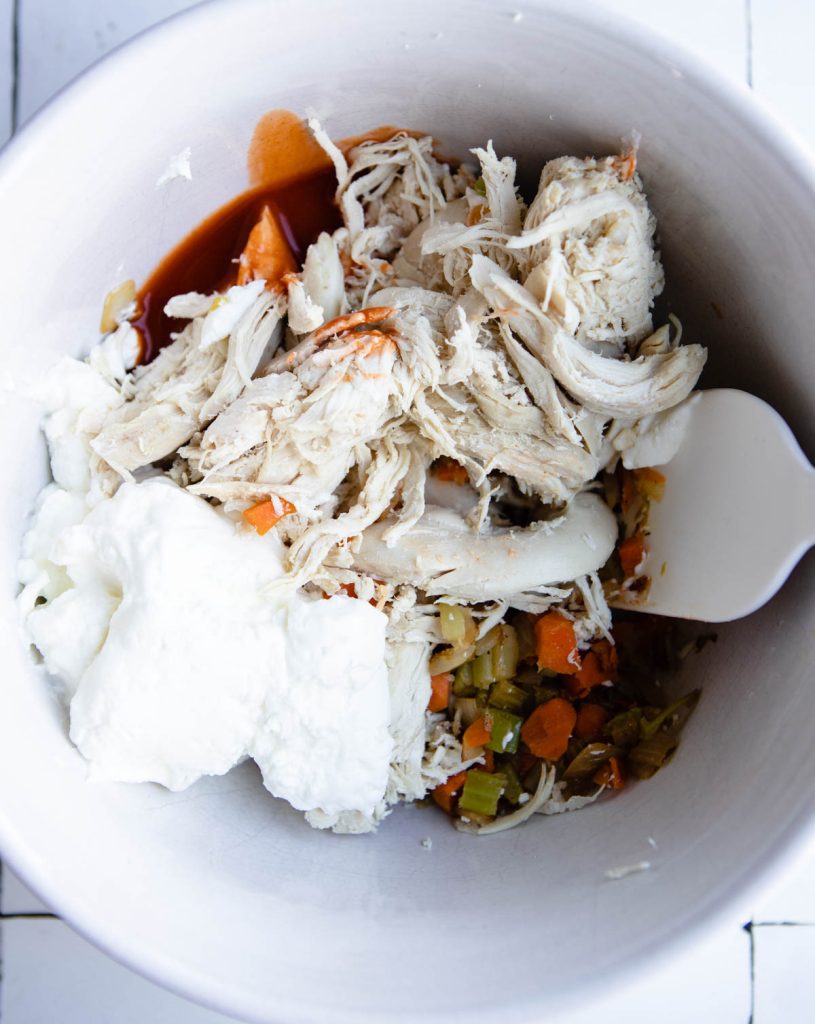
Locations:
column 206, row 260
column 292, row 175
column 283, row 147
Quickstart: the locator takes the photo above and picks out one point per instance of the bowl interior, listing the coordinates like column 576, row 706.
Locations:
column 221, row 891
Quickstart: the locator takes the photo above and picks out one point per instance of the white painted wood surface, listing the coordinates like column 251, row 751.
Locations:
column 7, row 98
column 58, row 39
column 761, row 975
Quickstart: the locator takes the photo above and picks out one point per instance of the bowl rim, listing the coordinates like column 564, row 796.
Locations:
column 792, row 846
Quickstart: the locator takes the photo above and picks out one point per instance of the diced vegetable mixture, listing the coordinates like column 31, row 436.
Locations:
column 526, row 701
column 528, row 704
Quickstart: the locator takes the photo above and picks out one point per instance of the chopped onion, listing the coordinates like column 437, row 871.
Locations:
column 116, row 302
column 450, row 658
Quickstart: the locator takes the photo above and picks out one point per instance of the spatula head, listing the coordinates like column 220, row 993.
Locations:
column 738, row 512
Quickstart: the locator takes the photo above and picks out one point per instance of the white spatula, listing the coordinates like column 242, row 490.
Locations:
column 738, row 512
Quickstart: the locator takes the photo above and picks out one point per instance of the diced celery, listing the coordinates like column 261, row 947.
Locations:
column 483, row 673
column 480, row 187
column 624, row 729
column 508, row 697
column 513, row 788
column 685, row 704
column 481, row 792
column 463, row 683
column 452, row 622
column 651, row 754
column 506, row 731
column 589, row 760
column 505, row 654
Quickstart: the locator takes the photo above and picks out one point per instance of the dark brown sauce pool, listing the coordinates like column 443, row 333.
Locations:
column 204, row 261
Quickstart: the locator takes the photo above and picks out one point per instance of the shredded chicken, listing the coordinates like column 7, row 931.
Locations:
column 468, row 345
column 590, row 259
column 201, row 373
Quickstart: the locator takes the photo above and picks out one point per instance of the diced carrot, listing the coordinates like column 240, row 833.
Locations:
column 557, row 644
column 589, row 674
column 268, row 513
column 610, row 774
column 599, row 665
column 267, row 253
column 477, row 733
column 590, row 721
column 547, row 730
column 650, row 483
column 450, row 471
column 444, row 794
column 631, row 552
column 440, row 691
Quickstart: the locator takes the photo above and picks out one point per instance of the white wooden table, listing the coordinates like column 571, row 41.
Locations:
column 756, row 969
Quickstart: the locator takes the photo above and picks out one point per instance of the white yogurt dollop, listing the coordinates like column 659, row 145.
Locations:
column 180, row 666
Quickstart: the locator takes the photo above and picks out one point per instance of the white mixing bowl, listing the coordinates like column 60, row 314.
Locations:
column 223, row 893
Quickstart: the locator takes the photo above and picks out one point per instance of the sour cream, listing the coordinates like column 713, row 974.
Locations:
column 177, row 663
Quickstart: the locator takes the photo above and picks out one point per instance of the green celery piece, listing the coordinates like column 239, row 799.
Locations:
column 513, row 788
column 508, row 697
column 505, row 654
column 649, row 728
column 624, row 729
column 590, row 758
column 463, row 683
column 483, row 674
column 506, row 732
column 481, row 792
column 651, row 754
column 480, row 187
